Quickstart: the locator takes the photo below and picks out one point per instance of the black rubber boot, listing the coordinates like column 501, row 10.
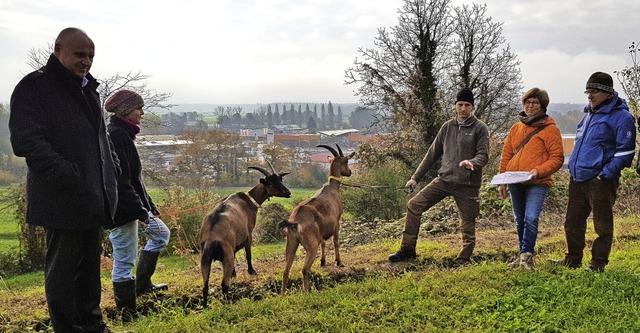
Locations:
column 146, row 267
column 403, row 254
column 125, row 297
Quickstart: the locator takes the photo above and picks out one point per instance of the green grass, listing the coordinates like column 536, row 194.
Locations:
column 9, row 227
column 371, row 295
column 486, row 297
column 416, row 297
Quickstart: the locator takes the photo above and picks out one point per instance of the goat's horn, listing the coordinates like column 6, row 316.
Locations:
column 333, row 151
column 266, row 174
column 272, row 168
column 339, row 150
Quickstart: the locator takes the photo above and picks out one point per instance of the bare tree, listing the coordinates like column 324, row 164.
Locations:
column 400, row 73
column 481, row 59
column 417, row 67
column 37, row 58
column 283, row 158
column 629, row 79
column 207, row 155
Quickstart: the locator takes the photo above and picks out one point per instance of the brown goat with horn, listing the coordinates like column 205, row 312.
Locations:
column 317, row 219
column 229, row 227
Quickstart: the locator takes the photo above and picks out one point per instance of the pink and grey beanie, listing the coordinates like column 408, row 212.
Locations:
column 123, row 102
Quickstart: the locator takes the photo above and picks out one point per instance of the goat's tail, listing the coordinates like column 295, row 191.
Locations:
column 288, row 226
column 212, row 251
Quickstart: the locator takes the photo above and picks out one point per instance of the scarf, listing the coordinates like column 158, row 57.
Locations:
column 531, row 120
column 130, row 127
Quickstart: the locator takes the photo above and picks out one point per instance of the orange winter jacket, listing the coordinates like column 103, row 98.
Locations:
column 543, row 152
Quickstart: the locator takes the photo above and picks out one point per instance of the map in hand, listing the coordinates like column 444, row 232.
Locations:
column 511, row 177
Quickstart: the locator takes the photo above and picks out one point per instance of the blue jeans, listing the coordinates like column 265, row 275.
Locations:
column 124, row 240
column 527, row 201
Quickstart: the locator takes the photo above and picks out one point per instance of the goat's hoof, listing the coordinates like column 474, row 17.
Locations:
column 339, row 264
column 323, row 263
column 252, row 272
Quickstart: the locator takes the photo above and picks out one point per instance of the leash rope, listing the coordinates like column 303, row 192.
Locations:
column 405, row 188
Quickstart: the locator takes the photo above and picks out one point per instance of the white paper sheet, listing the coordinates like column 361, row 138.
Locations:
column 511, row 177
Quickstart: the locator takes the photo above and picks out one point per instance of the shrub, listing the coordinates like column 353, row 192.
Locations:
column 368, row 203
column 627, row 199
column 308, row 176
column 7, row 178
column 33, row 247
column 182, row 211
column 267, row 230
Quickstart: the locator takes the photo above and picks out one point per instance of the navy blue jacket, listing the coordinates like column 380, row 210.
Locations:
column 58, row 126
column 605, row 141
column 133, row 199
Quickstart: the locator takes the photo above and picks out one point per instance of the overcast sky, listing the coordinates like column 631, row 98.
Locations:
column 266, row 51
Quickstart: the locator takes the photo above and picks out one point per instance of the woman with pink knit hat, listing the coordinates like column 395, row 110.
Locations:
column 136, row 212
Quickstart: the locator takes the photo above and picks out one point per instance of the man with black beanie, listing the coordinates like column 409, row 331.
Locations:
column 462, row 145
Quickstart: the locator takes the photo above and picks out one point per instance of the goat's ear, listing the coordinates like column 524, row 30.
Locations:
column 330, row 159
column 351, row 155
column 263, row 181
column 282, row 174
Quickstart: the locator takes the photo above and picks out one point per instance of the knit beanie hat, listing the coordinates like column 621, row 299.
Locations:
column 465, row 95
column 123, row 102
column 601, row 81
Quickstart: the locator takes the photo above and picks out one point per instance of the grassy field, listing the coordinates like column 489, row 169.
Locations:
column 8, row 227
column 372, row 295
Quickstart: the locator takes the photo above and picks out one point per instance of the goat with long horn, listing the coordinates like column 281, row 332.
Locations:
column 229, row 227
column 317, row 219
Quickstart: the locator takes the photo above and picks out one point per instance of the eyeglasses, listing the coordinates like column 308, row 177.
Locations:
column 591, row 92
column 531, row 103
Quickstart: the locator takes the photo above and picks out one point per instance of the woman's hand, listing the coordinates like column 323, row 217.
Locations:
column 502, row 191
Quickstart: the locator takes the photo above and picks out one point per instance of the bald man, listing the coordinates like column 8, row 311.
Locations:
column 56, row 123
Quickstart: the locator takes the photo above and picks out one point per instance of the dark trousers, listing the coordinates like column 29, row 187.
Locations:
column 467, row 200
column 597, row 196
column 72, row 280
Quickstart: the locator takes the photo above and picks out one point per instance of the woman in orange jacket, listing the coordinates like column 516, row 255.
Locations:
column 533, row 145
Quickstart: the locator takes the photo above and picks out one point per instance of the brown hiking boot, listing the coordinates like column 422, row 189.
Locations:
column 402, row 255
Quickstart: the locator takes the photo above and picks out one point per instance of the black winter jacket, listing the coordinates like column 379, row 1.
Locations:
column 58, row 126
column 133, row 199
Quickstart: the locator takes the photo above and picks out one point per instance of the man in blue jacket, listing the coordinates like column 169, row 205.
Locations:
column 56, row 123
column 605, row 144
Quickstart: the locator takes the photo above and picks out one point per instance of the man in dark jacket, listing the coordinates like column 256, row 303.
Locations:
column 56, row 123
column 462, row 145
column 605, row 144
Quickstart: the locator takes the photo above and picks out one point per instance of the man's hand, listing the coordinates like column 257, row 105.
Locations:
column 411, row 183
column 467, row 165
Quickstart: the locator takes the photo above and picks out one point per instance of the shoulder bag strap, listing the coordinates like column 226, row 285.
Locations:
column 524, row 142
